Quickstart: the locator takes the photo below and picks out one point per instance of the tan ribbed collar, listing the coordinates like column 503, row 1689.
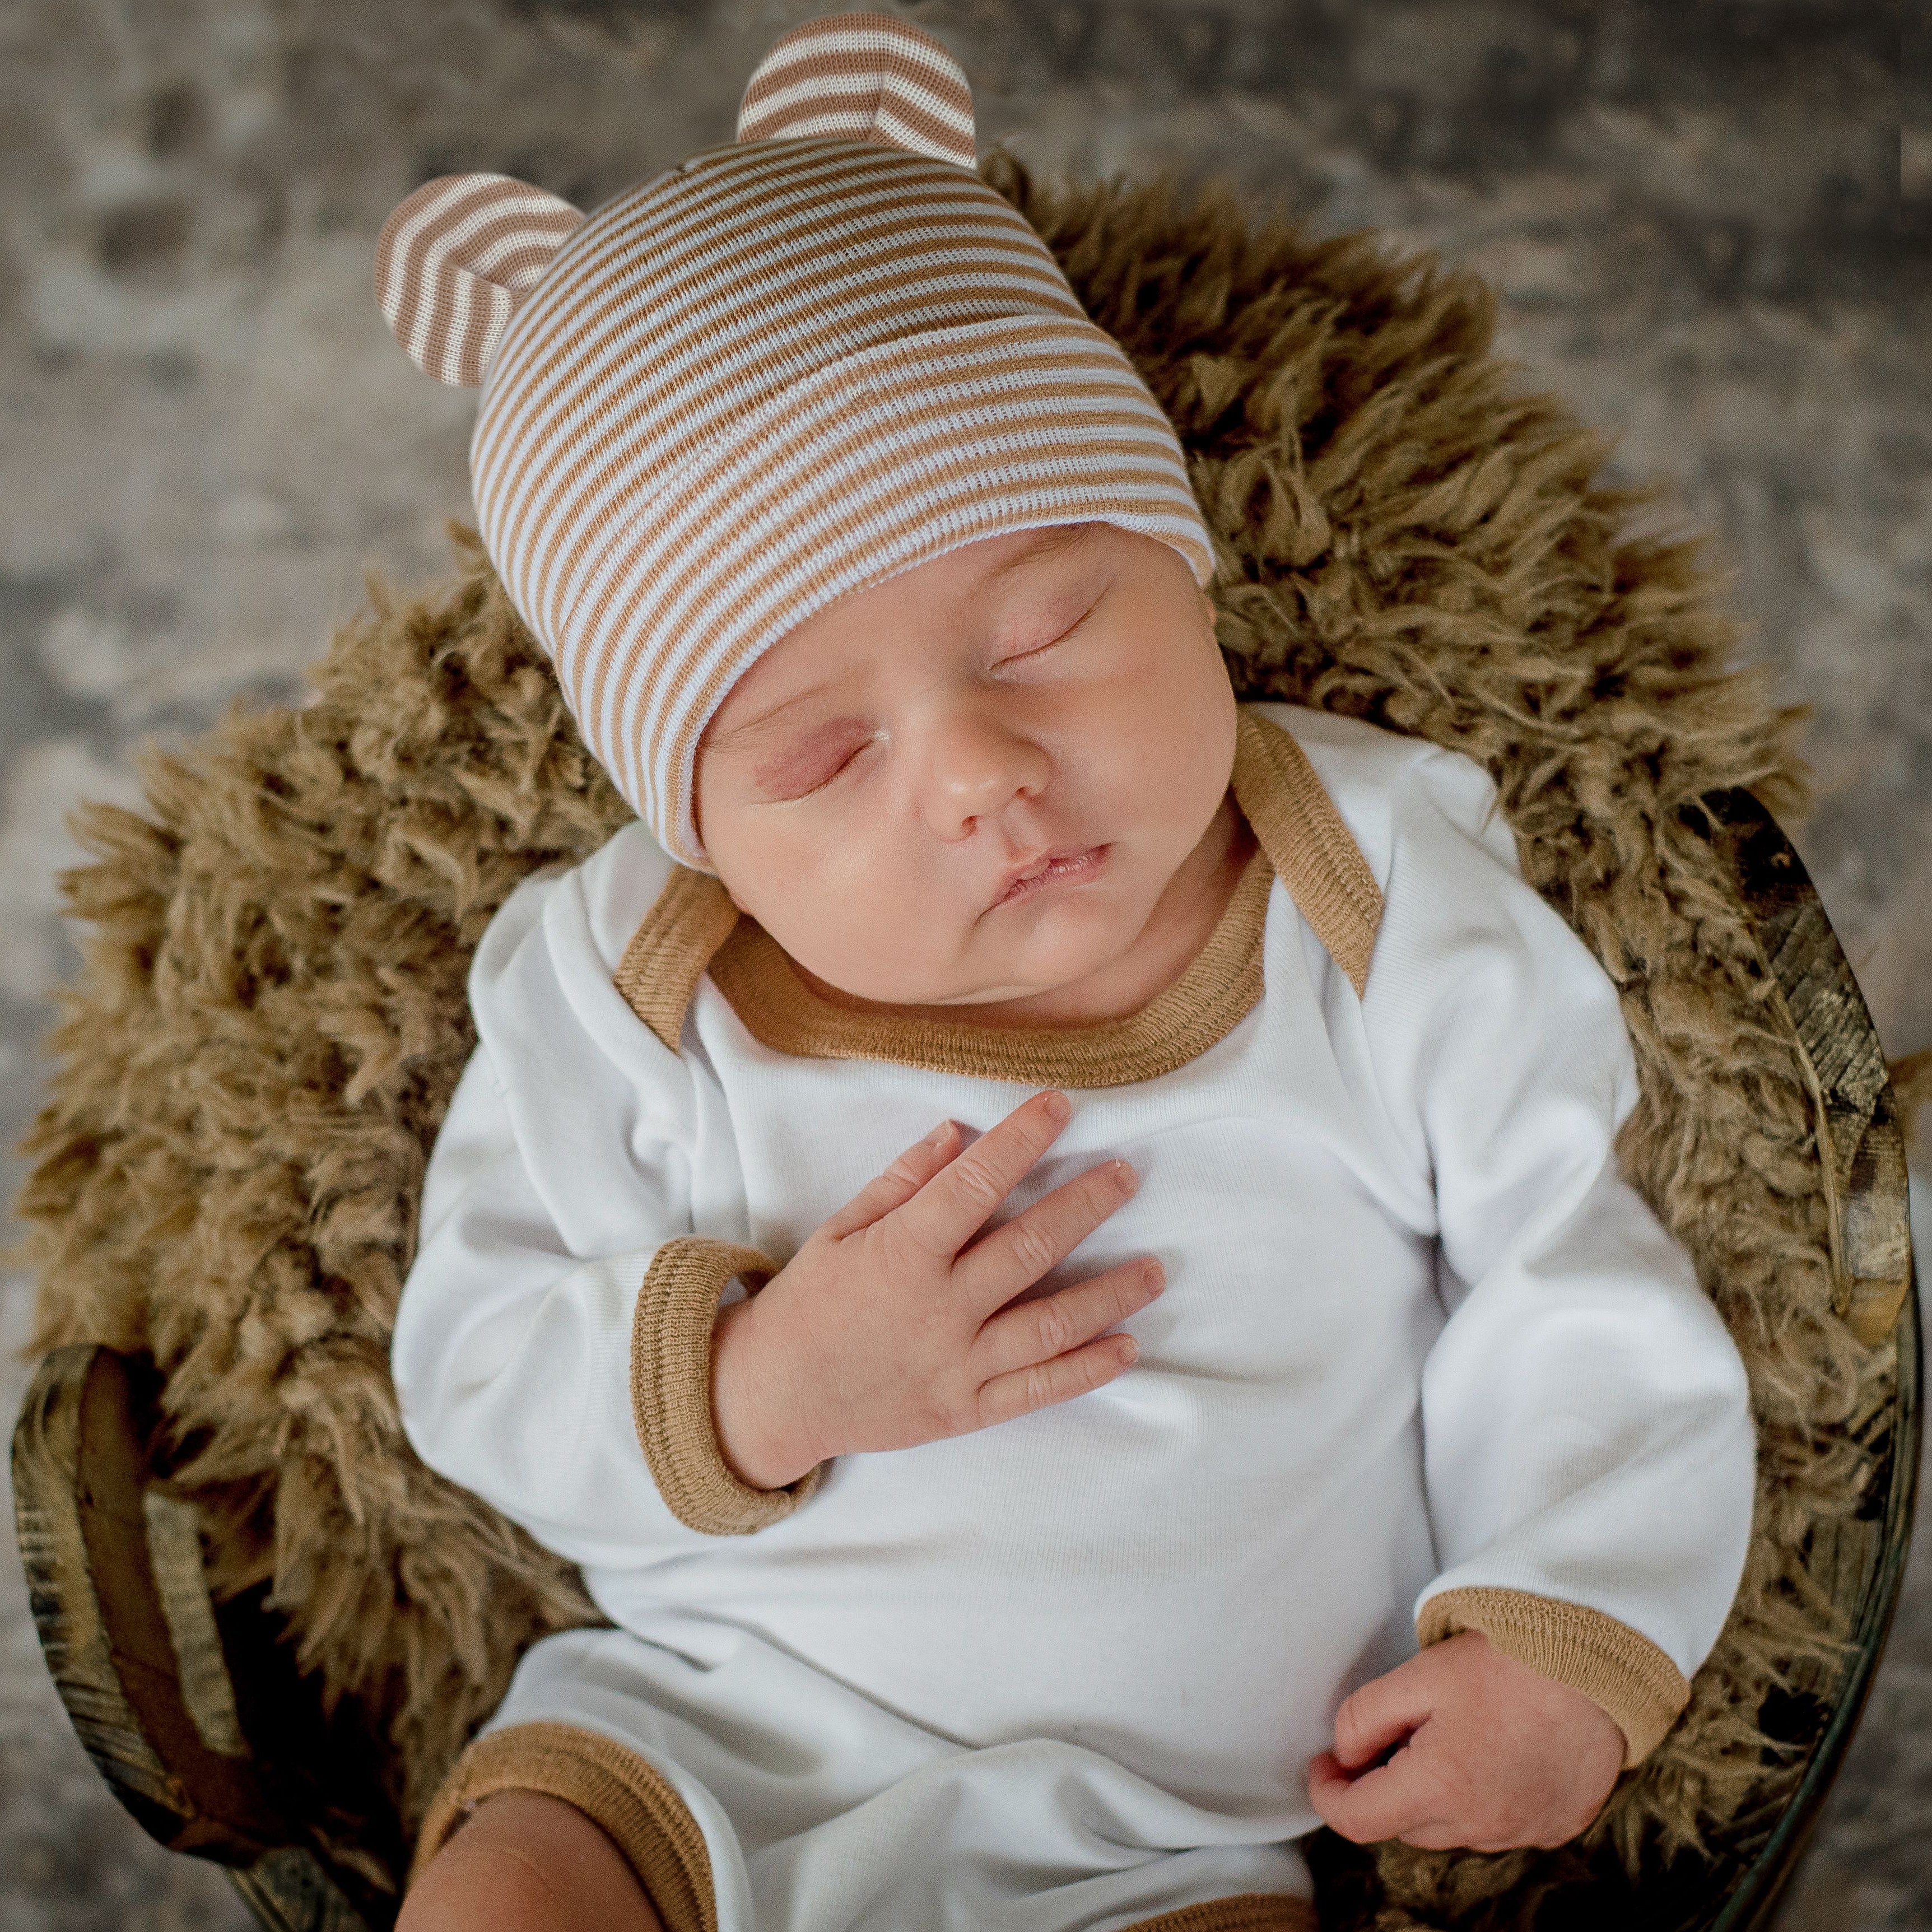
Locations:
column 1302, row 840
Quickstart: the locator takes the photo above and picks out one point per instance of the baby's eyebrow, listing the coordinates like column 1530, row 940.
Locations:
column 1042, row 544
column 1049, row 540
column 753, row 727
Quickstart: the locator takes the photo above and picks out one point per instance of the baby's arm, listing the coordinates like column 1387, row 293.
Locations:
column 552, row 1345
column 557, row 1337
column 513, row 1350
column 1588, row 1441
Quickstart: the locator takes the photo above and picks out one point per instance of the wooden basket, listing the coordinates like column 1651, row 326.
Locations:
column 197, row 1718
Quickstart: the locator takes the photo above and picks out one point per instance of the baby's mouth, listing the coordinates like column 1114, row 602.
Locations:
column 1072, row 865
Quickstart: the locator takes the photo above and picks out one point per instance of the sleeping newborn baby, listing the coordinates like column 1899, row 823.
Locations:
column 1050, row 1241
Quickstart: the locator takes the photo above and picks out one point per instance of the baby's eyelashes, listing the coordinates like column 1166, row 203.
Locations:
column 813, row 759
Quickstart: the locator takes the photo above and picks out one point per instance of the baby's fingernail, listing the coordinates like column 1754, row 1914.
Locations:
column 1155, row 1274
column 939, row 1133
column 1130, row 1350
column 1058, row 1106
column 1125, row 1178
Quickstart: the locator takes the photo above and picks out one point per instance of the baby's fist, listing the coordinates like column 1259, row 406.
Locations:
column 1491, row 1755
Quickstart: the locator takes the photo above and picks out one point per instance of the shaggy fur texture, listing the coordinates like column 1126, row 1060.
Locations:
column 272, row 1014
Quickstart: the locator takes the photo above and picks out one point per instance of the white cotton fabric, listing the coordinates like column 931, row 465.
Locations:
column 1068, row 1672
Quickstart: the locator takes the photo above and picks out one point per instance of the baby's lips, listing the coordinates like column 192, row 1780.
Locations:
column 1034, row 868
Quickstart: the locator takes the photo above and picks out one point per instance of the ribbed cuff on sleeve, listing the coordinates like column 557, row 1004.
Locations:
column 670, row 1389
column 1620, row 1670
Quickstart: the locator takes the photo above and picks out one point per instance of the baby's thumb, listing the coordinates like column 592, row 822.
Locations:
column 899, row 1182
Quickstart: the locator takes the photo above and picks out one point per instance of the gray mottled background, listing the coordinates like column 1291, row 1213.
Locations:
column 1707, row 219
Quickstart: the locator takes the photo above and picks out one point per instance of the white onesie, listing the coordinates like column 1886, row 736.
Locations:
column 1424, row 1363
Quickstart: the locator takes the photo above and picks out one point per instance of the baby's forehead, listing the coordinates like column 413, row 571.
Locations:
column 989, row 572
column 967, row 585
column 893, row 625
column 967, row 569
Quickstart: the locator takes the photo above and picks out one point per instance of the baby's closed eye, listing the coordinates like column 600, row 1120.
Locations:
column 813, row 758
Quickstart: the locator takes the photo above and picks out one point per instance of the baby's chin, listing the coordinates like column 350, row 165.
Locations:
column 1037, row 966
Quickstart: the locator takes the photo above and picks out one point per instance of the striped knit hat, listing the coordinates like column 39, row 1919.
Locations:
column 783, row 371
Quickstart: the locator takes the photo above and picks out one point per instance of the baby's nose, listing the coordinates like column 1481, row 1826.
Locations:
column 977, row 766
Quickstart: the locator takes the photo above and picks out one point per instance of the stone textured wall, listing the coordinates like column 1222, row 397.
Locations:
column 1706, row 226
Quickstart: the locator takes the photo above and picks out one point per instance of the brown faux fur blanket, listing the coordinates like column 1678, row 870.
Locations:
column 272, row 1014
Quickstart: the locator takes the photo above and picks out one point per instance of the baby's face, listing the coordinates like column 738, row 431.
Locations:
column 973, row 781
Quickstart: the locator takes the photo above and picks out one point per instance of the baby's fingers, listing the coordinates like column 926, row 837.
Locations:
column 897, row 1186
column 1386, row 1709
column 1035, row 1331
column 1008, row 1260
column 1395, row 1801
column 952, row 1207
column 1020, row 1391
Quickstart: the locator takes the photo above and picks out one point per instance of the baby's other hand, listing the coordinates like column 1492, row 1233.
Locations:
column 1492, row 1755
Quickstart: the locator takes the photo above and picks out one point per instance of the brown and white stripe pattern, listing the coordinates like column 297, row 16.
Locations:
column 453, row 260
column 862, row 76
column 786, row 370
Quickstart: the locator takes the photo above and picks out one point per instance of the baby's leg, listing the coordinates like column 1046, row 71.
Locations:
column 525, row 1862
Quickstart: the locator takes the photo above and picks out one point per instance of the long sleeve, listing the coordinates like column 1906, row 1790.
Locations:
column 552, row 1347
column 1589, row 1453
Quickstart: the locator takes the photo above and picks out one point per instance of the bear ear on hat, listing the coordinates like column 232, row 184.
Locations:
column 455, row 259
column 867, row 77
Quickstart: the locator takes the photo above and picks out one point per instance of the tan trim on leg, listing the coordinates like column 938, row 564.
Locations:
column 639, row 1811
column 634, row 1805
column 670, row 1389
column 1251, row 1912
column 1619, row 1669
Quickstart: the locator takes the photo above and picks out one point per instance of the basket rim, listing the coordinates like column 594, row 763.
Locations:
column 1754, row 1900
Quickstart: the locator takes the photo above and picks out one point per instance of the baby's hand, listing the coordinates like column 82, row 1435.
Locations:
column 1492, row 1755
column 885, row 1329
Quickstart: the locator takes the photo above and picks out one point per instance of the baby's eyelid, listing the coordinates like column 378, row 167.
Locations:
column 1065, row 631
column 871, row 738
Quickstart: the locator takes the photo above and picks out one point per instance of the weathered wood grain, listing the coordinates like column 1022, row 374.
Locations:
column 136, row 1648
column 1862, row 1143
